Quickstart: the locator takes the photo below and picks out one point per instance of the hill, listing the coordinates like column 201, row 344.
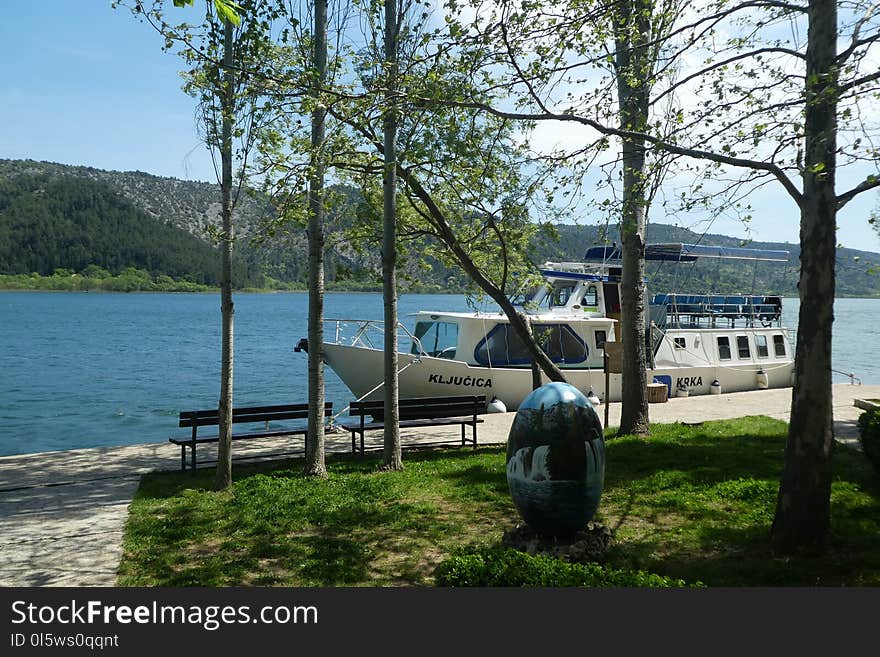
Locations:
column 55, row 216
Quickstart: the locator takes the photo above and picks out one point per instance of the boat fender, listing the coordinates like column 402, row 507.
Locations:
column 715, row 387
column 495, row 405
column 682, row 391
column 302, row 345
column 593, row 398
column 763, row 380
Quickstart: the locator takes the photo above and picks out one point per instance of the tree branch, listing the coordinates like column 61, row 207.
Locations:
column 868, row 183
column 695, row 153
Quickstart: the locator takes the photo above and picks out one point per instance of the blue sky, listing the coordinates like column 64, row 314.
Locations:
column 88, row 85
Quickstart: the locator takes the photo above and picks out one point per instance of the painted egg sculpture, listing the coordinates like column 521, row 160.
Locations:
column 556, row 460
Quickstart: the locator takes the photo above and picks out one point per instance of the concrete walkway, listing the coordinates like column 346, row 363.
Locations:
column 62, row 514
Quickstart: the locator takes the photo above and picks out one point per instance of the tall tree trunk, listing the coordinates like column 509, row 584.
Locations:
column 633, row 72
column 803, row 507
column 391, row 458
column 314, row 463
column 223, row 475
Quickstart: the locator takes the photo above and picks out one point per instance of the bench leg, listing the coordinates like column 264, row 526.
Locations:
column 194, row 457
column 475, row 435
column 182, row 458
column 462, row 434
column 353, row 444
column 362, row 443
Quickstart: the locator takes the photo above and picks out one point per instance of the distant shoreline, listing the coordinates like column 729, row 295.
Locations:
column 138, row 280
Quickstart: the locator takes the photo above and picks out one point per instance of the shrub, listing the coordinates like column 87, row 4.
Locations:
column 508, row 567
column 869, row 436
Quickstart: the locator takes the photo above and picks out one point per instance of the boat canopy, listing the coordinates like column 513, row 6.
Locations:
column 573, row 275
column 678, row 252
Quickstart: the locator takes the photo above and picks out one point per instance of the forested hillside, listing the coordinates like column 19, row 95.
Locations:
column 56, row 217
column 49, row 223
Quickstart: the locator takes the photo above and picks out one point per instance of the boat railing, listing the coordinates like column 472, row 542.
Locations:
column 367, row 333
column 360, row 333
column 711, row 310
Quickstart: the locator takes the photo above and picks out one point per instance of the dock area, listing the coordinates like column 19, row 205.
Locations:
column 62, row 514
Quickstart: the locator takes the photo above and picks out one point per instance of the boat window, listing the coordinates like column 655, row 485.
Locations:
column 600, row 339
column 521, row 297
column 761, row 342
column 779, row 345
column 723, row 347
column 742, row 346
column 502, row 345
column 437, row 338
column 562, row 293
column 591, row 298
column 680, row 343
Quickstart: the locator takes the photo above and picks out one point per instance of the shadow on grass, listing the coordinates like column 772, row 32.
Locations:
column 699, row 506
column 277, row 526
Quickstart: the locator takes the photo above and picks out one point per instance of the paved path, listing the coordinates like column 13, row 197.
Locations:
column 62, row 514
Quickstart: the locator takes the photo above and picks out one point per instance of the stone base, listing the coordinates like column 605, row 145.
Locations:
column 587, row 545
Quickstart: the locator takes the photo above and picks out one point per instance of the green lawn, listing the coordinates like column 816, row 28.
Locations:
column 693, row 503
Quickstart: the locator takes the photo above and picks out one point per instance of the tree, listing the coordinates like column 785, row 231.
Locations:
column 803, row 508
column 226, row 99
column 391, row 453
column 634, row 62
column 223, row 476
column 314, row 463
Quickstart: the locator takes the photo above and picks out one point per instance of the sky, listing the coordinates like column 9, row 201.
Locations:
column 89, row 85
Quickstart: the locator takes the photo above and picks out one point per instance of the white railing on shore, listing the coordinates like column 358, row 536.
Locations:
column 853, row 379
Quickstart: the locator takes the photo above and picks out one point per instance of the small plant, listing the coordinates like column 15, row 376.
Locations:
column 508, row 567
column 869, row 436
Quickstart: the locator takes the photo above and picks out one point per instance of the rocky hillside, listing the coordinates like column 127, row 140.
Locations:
column 59, row 216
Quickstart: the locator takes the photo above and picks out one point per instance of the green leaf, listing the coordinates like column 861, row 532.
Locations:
column 226, row 9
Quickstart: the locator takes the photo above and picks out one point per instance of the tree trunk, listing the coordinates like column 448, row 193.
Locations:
column 314, row 462
column 223, row 474
column 536, row 375
column 632, row 68
column 391, row 457
column 803, row 507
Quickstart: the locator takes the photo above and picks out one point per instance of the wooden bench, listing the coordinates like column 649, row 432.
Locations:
column 418, row 412
column 265, row 414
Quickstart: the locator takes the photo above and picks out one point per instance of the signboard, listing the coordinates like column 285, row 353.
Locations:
column 614, row 357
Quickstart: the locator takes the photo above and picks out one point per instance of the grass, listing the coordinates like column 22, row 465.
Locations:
column 689, row 502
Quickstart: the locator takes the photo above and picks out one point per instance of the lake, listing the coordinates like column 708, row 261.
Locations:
column 101, row 369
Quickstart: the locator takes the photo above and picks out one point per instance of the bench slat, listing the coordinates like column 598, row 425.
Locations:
column 423, row 407
column 211, row 417
column 254, row 414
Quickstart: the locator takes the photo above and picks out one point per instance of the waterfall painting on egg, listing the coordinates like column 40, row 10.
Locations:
column 556, row 460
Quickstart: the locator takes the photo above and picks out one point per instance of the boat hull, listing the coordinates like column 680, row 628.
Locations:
column 361, row 369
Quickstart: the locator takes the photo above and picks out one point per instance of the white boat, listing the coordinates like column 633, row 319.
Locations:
column 702, row 344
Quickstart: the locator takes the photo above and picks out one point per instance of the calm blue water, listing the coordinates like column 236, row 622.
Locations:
column 89, row 370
